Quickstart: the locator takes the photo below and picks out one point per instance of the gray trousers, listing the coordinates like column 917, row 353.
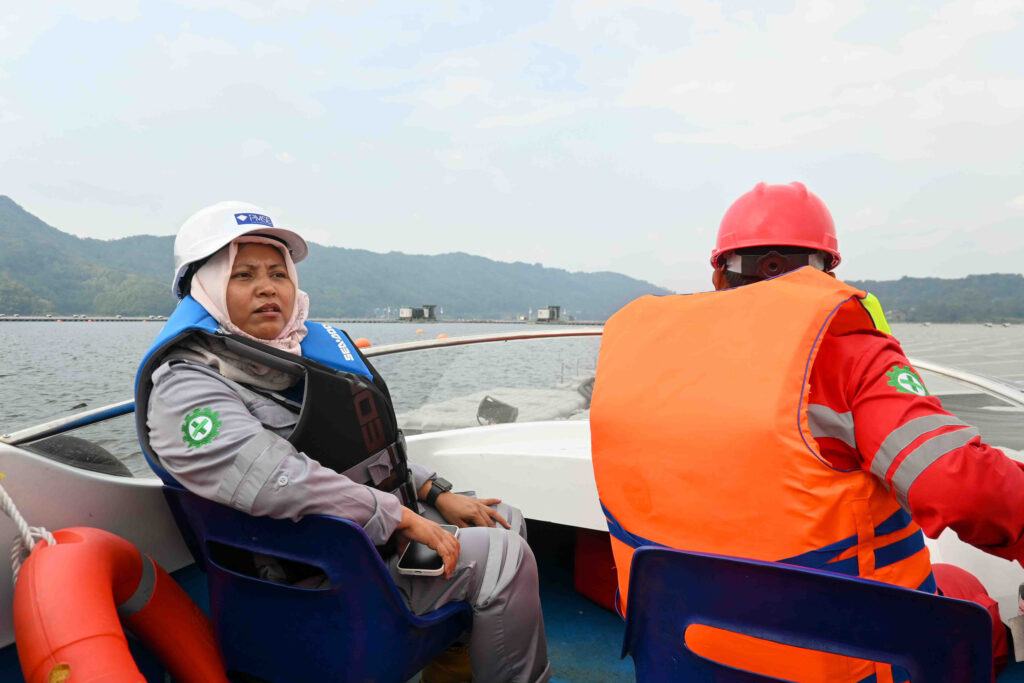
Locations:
column 497, row 575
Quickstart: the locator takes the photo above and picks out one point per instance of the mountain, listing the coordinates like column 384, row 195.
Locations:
column 44, row 270
column 353, row 282
column 975, row 298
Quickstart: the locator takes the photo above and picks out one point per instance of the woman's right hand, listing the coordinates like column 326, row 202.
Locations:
column 414, row 527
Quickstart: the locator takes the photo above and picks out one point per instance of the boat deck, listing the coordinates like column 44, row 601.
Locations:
column 584, row 639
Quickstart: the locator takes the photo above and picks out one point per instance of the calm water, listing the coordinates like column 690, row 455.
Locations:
column 996, row 352
column 53, row 369
column 48, row 370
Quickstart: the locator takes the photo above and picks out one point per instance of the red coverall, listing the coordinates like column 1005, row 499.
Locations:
column 865, row 412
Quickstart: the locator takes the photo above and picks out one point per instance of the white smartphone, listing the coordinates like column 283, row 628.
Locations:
column 422, row 560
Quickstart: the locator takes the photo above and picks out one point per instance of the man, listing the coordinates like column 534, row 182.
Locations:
column 774, row 419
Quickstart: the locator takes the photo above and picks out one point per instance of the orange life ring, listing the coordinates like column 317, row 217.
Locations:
column 71, row 599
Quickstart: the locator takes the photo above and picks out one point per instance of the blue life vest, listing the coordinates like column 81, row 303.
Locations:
column 347, row 421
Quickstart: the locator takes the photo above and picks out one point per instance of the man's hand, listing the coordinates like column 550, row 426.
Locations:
column 416, row 528
column 463, row 511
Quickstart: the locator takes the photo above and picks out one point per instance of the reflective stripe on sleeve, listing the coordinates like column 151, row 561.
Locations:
column 918, row 460
column 903, row 436
column 827, row 423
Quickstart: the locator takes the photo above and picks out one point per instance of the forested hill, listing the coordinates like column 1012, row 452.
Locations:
column 44, row 270
column 975, row 298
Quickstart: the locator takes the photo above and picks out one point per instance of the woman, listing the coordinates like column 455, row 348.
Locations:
column 222, row 420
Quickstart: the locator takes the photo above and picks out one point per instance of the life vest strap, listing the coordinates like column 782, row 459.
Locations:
column 620, row 533
column 891, row 553
column 821, row 558
column 386, row 470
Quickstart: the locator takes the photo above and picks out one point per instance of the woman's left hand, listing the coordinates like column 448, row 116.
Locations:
column 463, row 511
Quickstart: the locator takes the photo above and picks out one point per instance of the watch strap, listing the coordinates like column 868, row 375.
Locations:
column 437, row 487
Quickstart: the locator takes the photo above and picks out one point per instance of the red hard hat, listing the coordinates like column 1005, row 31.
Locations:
column 785, row 215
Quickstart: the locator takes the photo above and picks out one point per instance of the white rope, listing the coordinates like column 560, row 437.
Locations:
column 27, row 537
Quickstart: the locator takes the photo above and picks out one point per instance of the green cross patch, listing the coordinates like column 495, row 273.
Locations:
column 906, row 380
column 200, row 427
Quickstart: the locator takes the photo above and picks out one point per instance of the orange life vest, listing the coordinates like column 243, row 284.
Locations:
column 700, row 441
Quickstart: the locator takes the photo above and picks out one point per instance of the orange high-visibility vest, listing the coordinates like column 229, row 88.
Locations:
column 700, row 441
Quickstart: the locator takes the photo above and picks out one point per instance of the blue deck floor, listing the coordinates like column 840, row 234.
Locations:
column 584, row 640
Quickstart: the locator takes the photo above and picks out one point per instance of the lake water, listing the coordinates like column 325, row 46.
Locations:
column 996, row 351
column 52, row 369
column 49, row 369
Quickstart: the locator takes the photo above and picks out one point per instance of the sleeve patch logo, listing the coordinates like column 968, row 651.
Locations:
column 200, row 427
column 906, row 381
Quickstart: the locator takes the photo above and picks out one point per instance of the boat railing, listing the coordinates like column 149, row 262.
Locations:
column 67, row 423
column 70, row 422
column 386, row 349
column 992, row 386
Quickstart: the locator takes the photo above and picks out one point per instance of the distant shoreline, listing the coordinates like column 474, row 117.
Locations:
column 444, row 321
column 146, row 319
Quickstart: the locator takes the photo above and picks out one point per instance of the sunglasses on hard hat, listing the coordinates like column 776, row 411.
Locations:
column 772, row 263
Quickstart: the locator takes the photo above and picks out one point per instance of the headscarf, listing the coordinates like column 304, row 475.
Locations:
column 209, row 289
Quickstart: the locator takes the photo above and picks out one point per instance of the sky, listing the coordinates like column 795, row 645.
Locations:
column 588, row 136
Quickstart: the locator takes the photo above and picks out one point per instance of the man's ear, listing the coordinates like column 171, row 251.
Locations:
column 718, row 279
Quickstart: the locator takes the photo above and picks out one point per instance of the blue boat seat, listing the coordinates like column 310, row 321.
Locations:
column 931, row 637
column 356, row 629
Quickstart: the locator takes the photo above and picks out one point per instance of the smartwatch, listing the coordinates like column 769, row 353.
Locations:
column 437, row 487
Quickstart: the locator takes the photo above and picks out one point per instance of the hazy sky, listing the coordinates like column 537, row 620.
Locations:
column 581, row 135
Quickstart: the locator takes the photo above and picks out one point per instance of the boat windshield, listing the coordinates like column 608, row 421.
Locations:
column 498, row 379
column 995, row 409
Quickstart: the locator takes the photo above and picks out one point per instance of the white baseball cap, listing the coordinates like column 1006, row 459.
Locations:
column 210, row 229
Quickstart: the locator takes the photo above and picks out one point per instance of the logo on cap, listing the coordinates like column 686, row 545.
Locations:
column 254, row 218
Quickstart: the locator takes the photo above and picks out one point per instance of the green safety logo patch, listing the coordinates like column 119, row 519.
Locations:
column 906, row 380
column 200, row 427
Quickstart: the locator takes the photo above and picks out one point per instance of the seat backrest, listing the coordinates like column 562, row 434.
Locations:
column 933, row 638
column 356, row 628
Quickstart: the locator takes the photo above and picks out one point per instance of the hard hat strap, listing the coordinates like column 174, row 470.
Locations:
column 773, row 263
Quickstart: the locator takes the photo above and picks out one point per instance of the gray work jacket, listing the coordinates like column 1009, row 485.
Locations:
column 248, row 462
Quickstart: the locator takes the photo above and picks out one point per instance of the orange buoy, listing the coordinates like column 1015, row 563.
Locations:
column 363, row 343
column 442, row 336
column 419, row 331
column 67, row 604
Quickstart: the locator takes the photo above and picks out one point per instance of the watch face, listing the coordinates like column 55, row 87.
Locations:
column 443, row 484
